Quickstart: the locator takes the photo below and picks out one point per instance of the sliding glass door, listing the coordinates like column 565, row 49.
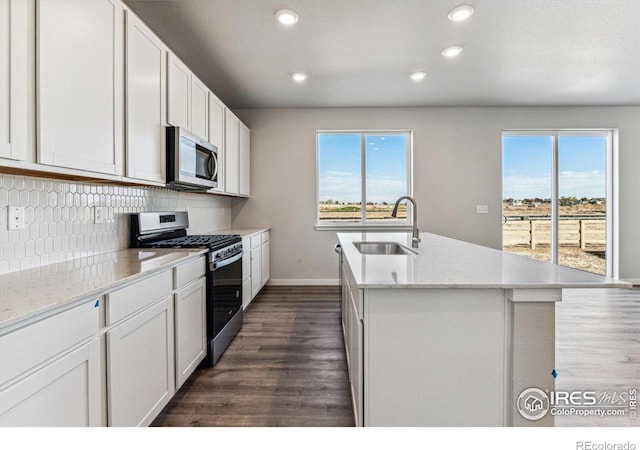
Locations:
column 557, row 192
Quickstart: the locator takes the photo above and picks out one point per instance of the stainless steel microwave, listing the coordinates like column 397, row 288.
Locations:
column 192, row 163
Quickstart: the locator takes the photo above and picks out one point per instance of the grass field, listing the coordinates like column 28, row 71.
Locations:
column 544, row 209
column 353, row 211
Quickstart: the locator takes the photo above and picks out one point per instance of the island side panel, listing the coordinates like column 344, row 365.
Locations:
column 532, row 347
column 434, row 357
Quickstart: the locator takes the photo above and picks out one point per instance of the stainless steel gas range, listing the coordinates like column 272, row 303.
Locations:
column 224, row 272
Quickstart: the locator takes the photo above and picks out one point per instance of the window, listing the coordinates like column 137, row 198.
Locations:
column 557, row 197
column 360, row 177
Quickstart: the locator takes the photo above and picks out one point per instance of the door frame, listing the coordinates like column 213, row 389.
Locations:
column 612, row 172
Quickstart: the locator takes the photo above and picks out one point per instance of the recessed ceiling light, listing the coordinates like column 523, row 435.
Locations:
column 286, row 17
column 452, row 51
column 460, row 13
column 417, row 76
column 299, row 77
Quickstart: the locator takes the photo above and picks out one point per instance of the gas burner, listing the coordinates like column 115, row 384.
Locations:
column 213, row 242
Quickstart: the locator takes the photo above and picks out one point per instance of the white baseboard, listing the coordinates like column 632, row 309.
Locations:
column 304, row 282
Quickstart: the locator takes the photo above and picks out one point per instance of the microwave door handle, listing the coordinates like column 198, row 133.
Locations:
column 210, row 166
column 214, row 163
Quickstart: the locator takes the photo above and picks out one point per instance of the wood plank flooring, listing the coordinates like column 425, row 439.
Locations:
column 598, row 347
column 286, row 367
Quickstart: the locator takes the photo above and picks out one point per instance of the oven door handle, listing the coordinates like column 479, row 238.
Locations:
column 226, row 262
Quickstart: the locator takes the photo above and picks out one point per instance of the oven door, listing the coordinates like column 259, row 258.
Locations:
column 225, row 298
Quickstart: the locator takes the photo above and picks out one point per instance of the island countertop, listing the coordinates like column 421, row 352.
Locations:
column 443, row 262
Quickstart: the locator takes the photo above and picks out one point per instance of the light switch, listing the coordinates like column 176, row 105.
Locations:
column 482, row 209
column 99, row 214
column 16, row 218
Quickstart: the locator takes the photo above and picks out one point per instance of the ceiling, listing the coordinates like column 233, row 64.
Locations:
column 359, row 53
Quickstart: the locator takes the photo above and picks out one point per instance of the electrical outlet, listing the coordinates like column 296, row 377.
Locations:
column 482, row 209
column 99, row 213
column 15, row 218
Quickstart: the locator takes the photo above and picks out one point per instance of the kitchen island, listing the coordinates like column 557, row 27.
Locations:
column 450, row 333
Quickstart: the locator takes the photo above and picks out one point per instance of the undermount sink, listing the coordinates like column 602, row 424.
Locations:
column 383, row 248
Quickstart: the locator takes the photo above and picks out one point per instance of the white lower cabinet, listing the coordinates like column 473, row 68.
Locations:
column 65, row 392
column 246, row 273
column 354, row 343
column 255, row 265
column 190, row 328
column 264, row 261
column 140, row 363
column 52, row 370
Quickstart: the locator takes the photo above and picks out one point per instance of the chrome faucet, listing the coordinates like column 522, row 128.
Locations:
column 415, row 239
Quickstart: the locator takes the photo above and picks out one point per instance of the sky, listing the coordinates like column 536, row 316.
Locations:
column 341, row 167
column 527, row 166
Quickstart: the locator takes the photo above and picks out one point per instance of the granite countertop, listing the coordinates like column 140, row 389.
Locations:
column 243, row 232
column 31, row 292
column 448, row 263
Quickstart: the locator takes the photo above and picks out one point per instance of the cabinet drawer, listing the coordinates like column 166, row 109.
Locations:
column 28, row 347
column 256, row 241
column 128, row 300
column 189, row 271
column 265, row 236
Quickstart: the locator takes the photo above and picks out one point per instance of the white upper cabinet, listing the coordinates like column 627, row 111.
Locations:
column 216, row 136
column 232, row 153
column 188, row 99
column 199, row 108
column 17, row 74
column 216, row 121
column 80, row 84
column 245, row 160
column 146, row 102
column 179, row 107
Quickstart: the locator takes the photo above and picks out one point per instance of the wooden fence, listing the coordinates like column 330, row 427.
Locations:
column 585, row 234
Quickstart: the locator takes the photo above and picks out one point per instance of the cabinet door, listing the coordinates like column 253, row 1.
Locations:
column 264, row 257
column 232, row 153
column 66, row 392
column 216, row 136
column 80, row 84
column 247, row 293
column 17, row 72
column 179, row 103
column 199, row 108
column 146, row 102
column 256, row 270
column 245, row 160
column 140, row 366
column 190, row 329
column 344, row 306
column 356, row 360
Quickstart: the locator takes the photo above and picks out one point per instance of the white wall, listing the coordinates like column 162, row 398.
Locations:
column 457, row 165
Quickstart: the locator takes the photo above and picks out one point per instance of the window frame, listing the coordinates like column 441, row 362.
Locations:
column 395, row 225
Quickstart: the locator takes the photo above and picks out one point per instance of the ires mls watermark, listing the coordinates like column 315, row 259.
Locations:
column 534, row 403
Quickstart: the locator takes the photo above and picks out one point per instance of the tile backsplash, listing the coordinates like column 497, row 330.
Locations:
column 60, row 217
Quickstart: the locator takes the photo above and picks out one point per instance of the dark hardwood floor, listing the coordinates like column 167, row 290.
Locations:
column 286, row 367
